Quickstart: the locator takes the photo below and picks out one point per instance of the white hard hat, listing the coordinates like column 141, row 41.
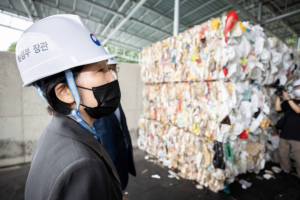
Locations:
column 110, row 61
column 296, row 83
column 55, row 44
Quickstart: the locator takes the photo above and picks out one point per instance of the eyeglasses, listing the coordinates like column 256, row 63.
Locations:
column 116, row 69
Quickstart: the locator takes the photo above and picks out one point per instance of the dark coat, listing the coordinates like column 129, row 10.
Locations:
column 69, row 163
column 117, row 143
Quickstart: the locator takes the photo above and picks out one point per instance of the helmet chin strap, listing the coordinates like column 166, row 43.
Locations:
column 36, row 85
column 74, row 113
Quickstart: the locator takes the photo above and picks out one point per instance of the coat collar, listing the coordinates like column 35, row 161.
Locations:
column 66, row 126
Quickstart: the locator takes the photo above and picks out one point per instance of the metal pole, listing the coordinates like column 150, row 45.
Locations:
column 176, row 17
column 26, row 9
column 124, row 20
column 298, row 44
column 164, row 16
column 139, row 58
column 290, row 14
column 113, row 18
column 259, row 12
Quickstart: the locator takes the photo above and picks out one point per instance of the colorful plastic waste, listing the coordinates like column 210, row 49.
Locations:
column 230, row 21
column 208, row 105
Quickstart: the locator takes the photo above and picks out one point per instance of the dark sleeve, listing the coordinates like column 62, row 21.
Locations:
column 86, row 178
column 284, row 106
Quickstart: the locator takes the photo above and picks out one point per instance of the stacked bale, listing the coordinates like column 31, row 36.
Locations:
column 209, row 101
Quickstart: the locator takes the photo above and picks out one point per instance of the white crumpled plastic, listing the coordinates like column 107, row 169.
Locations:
column 200, row 90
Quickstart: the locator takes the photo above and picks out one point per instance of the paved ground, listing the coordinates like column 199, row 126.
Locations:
column 143, row 187
column 12, row 182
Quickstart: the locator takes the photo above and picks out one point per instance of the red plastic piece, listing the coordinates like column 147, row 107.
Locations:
column 179, row 105
column 225, row 71
column 202, row 31
column 231, row 18
column 244, row 68
column 243, row 135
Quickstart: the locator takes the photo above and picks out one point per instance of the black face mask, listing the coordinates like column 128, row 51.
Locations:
column 108, row 97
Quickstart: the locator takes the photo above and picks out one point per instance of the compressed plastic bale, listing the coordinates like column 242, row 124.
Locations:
column 195, row 110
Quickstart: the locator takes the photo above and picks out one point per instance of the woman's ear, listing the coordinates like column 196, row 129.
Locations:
column 64, row 94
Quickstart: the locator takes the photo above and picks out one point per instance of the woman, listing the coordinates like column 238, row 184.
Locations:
column 67, row 64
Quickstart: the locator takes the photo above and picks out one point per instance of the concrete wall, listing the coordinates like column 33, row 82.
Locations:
column 131, row 99
column 23, row 115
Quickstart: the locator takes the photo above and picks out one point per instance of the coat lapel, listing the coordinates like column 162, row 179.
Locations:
column 115, row 119
column 69, row 128
column 122, row 116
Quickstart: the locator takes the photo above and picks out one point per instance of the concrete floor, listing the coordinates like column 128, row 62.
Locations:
column 12, row 183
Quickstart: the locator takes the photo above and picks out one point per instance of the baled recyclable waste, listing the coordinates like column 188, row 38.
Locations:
column 208, row 100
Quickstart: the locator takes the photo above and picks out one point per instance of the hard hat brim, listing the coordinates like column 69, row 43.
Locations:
column 86, row 62
column 98, row 59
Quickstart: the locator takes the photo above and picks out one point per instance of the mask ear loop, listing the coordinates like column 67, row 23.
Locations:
column 75, row 113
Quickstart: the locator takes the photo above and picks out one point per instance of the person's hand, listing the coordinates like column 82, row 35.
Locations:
column 286, row 95
column 124, row 198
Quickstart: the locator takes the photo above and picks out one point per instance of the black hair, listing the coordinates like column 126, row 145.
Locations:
column 48, row 85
